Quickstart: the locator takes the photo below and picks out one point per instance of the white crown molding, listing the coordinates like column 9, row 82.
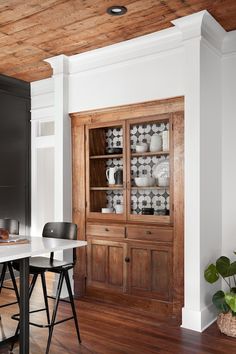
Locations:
column 213, row 32
column 229, row 43
column 198, row 25
column 190, row 26
column 59, row 64
column 201, row 24
column 128, row 50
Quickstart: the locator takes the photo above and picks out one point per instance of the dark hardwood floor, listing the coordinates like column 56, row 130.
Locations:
column 109, row 329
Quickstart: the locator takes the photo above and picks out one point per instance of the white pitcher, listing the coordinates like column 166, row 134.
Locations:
column 110, row 174
column 156, row 143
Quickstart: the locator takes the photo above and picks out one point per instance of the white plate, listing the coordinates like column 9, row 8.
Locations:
column 161, row 169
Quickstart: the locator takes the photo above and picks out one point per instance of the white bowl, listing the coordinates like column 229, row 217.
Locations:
column 163, row 181
column 107, row 210
column 144, row 181
column 141, row 147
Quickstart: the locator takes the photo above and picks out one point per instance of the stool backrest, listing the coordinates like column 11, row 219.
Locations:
column 63, row 230
column 11, row 225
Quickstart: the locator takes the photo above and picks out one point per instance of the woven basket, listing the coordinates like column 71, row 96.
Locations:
column 227, row 324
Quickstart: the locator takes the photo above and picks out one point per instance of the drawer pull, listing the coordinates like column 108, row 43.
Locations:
column 148, row 232
column 127, row 259
column 106, row 229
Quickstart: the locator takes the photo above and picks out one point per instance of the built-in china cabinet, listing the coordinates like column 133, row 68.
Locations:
column 128, row 203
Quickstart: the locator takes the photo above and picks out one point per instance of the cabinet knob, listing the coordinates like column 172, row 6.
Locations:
column 106, row 229
column 148, row 232
column 127, row 259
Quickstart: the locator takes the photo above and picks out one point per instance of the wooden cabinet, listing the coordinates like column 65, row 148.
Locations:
column 104, row 230
column 128, row 264
column 150, row 233
column 106, row 267
column 150, row 270
column 130, row 255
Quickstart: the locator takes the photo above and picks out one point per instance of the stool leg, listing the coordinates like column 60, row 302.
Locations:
column 45, row 296
column 72, row 304
column 59, row 287
column 13, row 279
column 3, row 273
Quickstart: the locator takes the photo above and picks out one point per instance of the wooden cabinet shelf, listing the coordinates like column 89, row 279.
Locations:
column 110, row 156
column 106, row 188
column 148, row 153
column 150, row 188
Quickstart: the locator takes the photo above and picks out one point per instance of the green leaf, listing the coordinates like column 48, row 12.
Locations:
column 223, row 266
column 230, row 299
column 218, row 300
column 232, row 269
column 211, row 275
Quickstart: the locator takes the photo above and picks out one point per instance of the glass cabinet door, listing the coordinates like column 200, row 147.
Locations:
column 149, row 169
column 106, row 197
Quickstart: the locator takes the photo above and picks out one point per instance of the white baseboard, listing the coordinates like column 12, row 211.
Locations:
column 198, row 320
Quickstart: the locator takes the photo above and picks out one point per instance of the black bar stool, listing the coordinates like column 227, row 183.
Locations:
column 41, row 265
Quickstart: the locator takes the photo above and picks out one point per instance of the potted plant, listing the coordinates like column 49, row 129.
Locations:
column 225, row 302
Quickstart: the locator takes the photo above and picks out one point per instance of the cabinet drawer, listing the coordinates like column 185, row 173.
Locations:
column 106, row 230
column 150, row 233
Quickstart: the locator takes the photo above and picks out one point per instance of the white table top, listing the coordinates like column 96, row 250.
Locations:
column 36, row 247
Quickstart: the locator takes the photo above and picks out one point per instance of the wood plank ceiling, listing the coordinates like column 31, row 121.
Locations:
column 33, row 30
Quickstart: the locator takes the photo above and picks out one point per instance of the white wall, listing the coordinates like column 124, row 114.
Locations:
column 45, row 177
column 42, row 156
column 135, row 80
column 210, row 171
column 184, row 60
column 228, row 152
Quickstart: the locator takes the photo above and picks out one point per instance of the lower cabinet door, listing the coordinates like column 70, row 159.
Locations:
column 105, row 264
column 150, row 271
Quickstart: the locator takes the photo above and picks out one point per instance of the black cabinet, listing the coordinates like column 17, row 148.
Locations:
column 15, row 151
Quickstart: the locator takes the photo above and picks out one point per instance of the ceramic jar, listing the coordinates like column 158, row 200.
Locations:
column 156, row 143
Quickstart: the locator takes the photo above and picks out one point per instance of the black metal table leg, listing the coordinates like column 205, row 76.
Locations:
column 24, row 306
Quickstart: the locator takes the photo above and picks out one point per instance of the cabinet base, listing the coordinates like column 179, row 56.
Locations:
column 156, row 307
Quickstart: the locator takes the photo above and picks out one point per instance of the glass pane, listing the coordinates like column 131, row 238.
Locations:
column 157, row 199
column 106, row 169
column 149, row 170
column 142, row 133
column 114, row 138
